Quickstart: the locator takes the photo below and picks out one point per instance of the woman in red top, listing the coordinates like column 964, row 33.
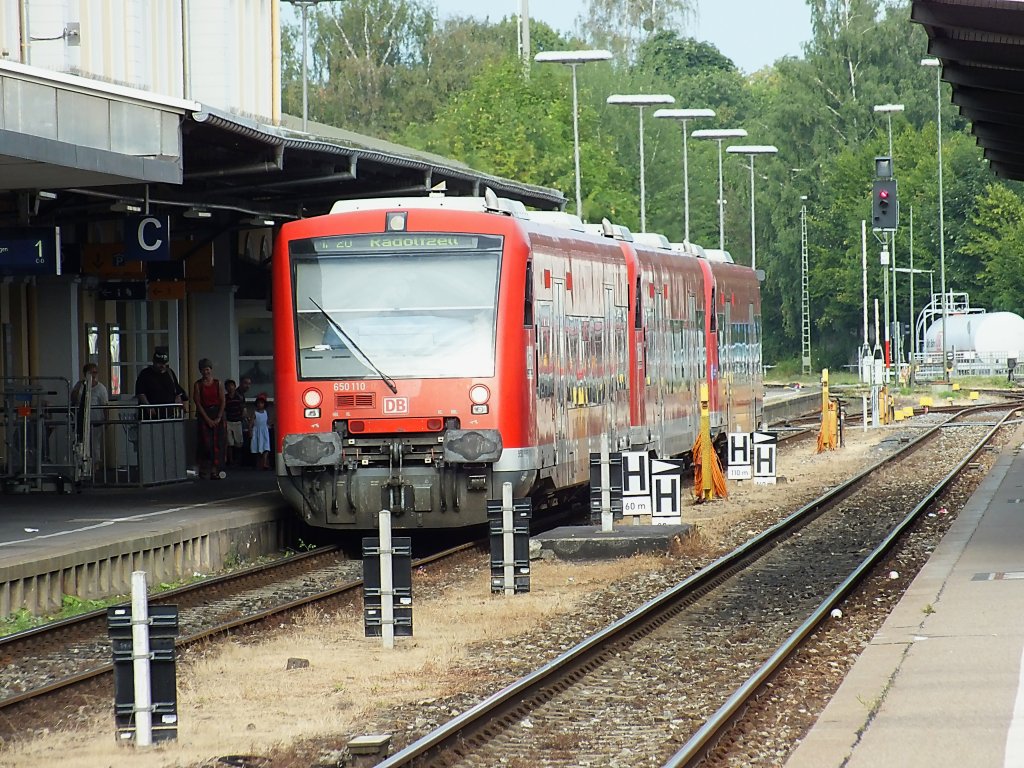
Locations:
column 211, row 436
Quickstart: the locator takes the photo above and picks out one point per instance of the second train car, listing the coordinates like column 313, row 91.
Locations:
column 428, row 350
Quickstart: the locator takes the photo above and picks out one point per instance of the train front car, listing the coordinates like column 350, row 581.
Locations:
column 389, row 367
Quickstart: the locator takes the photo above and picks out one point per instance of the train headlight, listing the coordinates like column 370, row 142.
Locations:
column 396, row 221
column 312, row 398
column 479, row 394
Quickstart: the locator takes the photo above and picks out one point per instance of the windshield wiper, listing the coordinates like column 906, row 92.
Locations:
column 341, row 331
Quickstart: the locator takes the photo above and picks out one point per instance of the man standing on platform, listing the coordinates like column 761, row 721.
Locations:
column 157, row 384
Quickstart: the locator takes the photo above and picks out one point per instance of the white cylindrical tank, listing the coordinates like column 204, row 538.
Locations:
column 989, row 334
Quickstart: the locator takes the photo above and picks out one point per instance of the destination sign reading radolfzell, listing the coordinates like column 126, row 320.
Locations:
column 403, row 242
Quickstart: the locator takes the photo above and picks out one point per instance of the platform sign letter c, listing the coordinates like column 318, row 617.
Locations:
column 144, row 243
column 147, row 238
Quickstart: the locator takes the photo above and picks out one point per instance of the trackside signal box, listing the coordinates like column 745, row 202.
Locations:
column 163, row 629
column 401, row 581
column 522, row 511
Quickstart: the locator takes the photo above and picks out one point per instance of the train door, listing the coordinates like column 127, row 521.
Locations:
column 610, row 370
column 727, row 365
column 563, row 397
column 694, row 358
column 659, row 374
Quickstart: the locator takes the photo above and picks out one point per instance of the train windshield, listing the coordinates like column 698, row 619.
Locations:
column 396, row 306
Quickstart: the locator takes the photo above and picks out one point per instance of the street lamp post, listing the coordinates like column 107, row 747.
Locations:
column 304, row 6
column 641, row 100
column 574, row 59
column 751, row 150
column 932, row 62
column 720, row 135
column 683, row 115
column 892, row 349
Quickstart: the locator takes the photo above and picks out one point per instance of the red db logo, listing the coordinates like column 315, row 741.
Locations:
column 396, row 405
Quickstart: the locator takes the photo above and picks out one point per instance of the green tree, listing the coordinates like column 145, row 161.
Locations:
column 359, row 52
column 622, row 25
column 996, row 240
column 520, row 127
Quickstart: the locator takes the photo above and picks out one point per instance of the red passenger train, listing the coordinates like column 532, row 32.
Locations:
column 428, row 350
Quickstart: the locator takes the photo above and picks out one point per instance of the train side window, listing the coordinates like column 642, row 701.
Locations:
column 528, row 298
column 712, row 315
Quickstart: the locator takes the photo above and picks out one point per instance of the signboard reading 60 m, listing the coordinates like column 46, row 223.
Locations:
column 30, row 251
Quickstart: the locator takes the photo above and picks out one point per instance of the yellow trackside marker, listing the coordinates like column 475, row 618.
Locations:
column 828, row 435
column 708, row 477
column 974, row 395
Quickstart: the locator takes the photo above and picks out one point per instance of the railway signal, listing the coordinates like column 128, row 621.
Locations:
column 885, row 206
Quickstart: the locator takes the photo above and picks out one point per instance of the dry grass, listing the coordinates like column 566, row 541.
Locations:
column 239, row 698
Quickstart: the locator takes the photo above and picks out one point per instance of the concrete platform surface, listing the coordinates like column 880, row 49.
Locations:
column 588, row 542
column 87, row 544
column 941, row 682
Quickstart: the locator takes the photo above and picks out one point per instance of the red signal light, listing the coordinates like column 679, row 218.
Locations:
column 883, row 194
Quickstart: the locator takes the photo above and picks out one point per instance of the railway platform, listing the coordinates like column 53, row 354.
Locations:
column 942, row 681
column 87, row 544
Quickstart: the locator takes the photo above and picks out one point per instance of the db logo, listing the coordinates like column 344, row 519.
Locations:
column 394, row 405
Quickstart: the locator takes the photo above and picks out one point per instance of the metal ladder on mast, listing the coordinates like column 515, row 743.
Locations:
column 805, row 302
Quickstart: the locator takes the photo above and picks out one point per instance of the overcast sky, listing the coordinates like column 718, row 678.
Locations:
column 753, row 33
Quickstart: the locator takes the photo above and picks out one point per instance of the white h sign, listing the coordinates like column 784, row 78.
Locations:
column 739, row 456
column 765, row 452
column 636, row 483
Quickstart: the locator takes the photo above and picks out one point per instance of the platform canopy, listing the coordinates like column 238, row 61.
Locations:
column 980, row 46
column 71, row 147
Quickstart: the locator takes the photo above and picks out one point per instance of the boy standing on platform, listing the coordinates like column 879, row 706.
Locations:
column 234, row 413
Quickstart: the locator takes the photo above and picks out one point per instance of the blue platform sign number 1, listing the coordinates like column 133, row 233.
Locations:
column 30, row 251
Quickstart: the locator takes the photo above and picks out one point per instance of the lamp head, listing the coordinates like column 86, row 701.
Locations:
column 752, row 149
column 684, row 114
column 572, row 57
column 640, row 99
column 719, row 133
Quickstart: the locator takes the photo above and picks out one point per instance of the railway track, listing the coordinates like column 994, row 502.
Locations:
column 56, row 667
column 660, row 686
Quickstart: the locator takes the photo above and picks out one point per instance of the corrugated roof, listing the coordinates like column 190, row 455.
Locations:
column 980, row 46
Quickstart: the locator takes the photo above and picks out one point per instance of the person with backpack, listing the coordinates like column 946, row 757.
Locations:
column 157, row 385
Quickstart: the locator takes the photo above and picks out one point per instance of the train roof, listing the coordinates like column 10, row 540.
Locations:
column 653, row 239
column 559, row 219
column 716, row 254
column 689, row 249
column 607, row 229
column 489, row 203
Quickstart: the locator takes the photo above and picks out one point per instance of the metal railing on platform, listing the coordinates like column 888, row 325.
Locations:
column 36, row 433
column 134, row 445
column 46, row 447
